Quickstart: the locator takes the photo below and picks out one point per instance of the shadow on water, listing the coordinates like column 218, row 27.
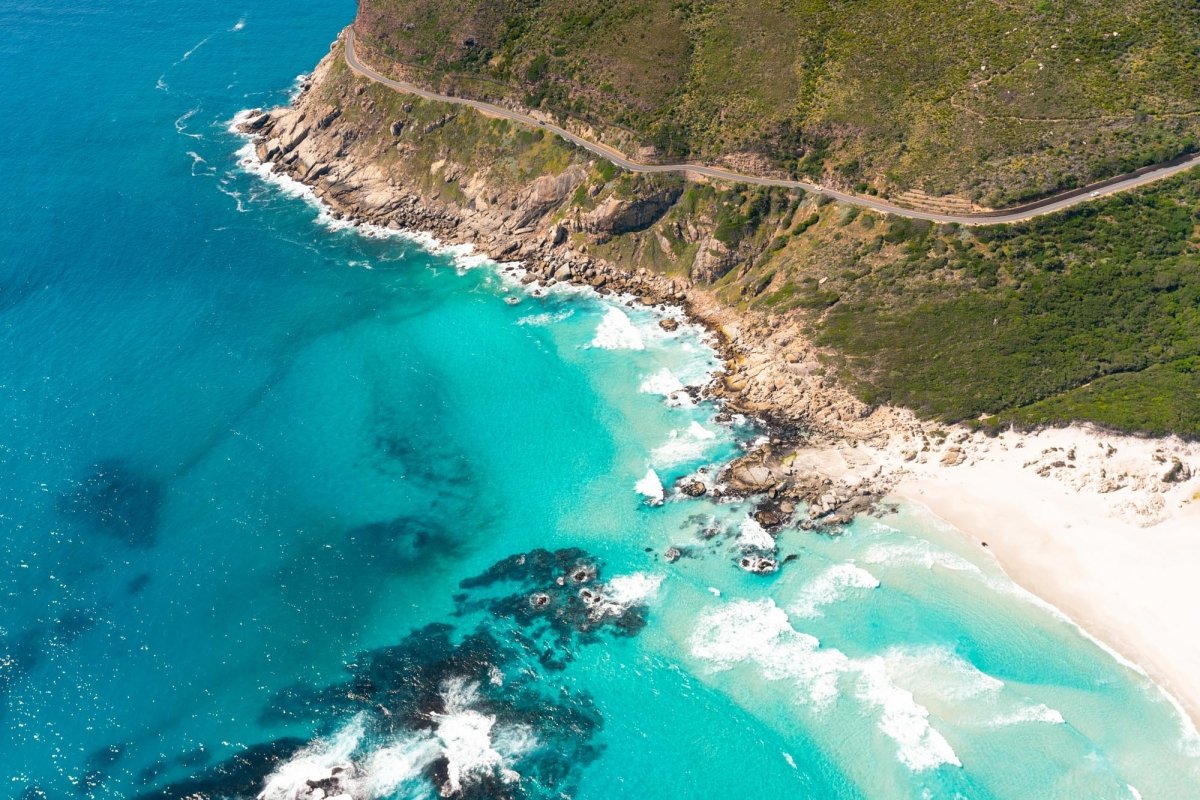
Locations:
column 119, row 501
column 21, row 653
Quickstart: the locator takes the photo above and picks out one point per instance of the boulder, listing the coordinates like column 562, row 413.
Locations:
column 953, row 456
column 256, row 122
column 751, row 478
column 713, row 259
column 769, row 517
column 1178, row 472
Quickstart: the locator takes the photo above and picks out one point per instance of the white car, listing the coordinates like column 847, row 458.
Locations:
column 1094, row 194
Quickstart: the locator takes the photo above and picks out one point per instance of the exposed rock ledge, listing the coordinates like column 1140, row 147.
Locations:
column 772, row 372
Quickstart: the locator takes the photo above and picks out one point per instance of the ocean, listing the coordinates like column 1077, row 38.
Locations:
column 291, row 509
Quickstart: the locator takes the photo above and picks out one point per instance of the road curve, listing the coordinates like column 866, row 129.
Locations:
column 1009, row 216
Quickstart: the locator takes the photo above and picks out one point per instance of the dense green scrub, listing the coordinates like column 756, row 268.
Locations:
column 1090, row 315
column 995, row 101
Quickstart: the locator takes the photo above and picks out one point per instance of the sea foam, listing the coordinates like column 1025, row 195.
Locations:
column 829, row 587
column 682, row 446
column 759, row 633
column 650, row 487
column 617, row 332
column 754, row 536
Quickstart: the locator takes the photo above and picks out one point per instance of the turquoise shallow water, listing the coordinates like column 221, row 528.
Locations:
column 265, row 489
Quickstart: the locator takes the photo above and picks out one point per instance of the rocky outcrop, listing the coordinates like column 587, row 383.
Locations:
column 713, row 260
column 544, row 194
column 627, row 214
column 770, row 470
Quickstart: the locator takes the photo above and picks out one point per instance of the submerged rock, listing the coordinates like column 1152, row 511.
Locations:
column 757, row 564
column 438, row 688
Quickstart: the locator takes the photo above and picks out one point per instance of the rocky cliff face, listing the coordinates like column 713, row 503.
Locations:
column 377, row 156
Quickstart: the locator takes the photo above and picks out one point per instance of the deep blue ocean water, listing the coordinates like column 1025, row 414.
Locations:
column 277, row 497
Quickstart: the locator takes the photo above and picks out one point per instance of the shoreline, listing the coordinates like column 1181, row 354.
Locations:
column 1078, row 518
column 1098, row 532
column 1125, row 585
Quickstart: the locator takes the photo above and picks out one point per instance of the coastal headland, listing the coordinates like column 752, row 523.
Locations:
column 1104, row 526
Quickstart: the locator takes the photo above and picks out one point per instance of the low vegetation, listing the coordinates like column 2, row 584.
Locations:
column 1090, row 315
column 991, row 101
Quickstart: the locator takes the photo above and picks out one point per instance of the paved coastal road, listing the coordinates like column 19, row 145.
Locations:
column 1016, row 214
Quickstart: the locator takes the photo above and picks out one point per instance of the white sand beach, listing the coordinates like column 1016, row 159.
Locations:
column 1081, row 518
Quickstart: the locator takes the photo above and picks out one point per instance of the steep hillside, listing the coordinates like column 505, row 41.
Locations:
column 990, row 100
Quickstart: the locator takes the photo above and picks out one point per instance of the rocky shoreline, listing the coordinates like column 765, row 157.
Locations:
column 824, row 448
column 772, row 374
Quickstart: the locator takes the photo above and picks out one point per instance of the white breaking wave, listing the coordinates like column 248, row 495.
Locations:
column 662, row 382
column 920, row 746
column 1035, row 713
column 829, row 587
column 760, row 633
column 297, row 88
column 916, row 553
column 471, row 742
column 754, row 536
column 466, row 738
column 617, row 332
column 239, row 25
column 394, row 767
column 623, row 592
column 650, row 487
column 315, row 762
column 635, row 589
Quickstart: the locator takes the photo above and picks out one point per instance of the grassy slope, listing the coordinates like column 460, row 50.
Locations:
column 990, row 99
